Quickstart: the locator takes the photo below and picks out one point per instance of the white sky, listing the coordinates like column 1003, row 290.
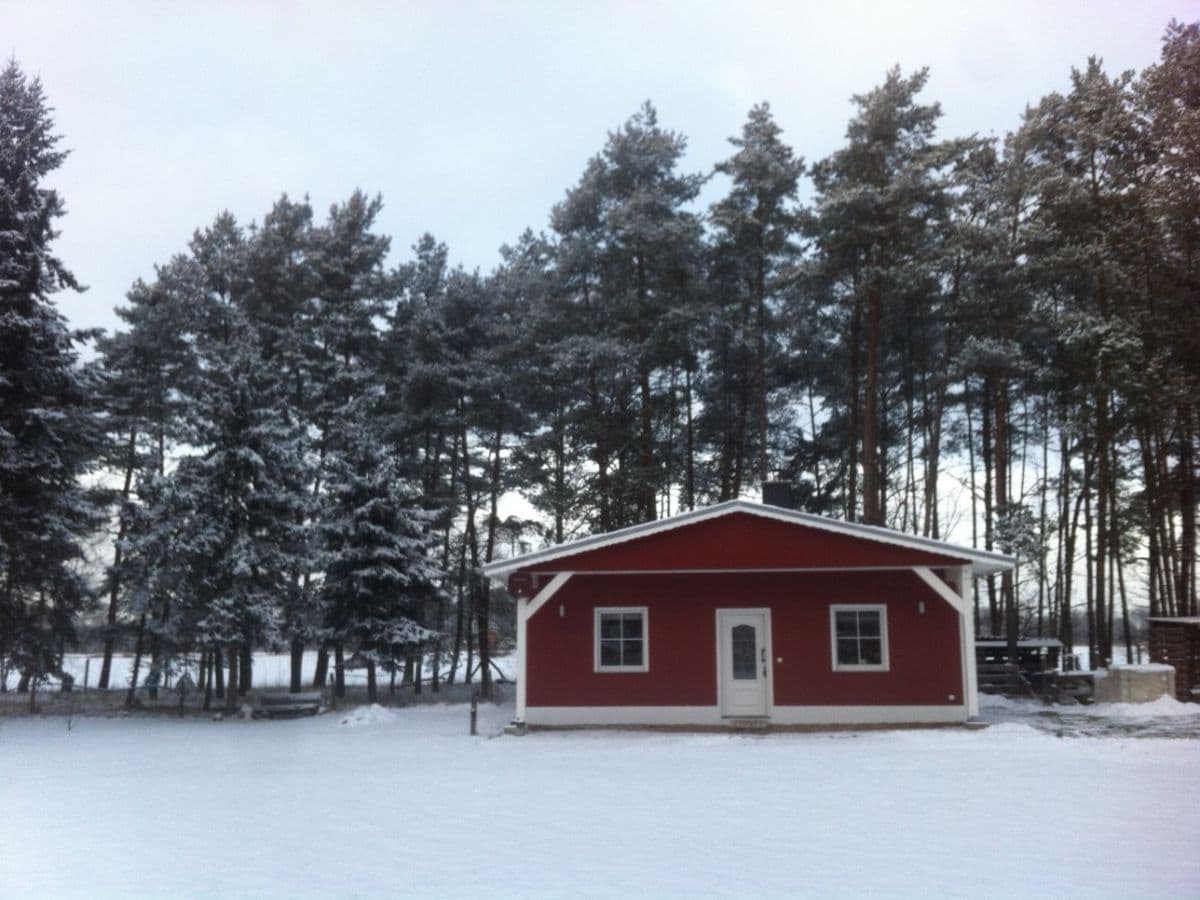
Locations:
column 472, row 119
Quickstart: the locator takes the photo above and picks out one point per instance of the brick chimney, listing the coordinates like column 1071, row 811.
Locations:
column 778, row 493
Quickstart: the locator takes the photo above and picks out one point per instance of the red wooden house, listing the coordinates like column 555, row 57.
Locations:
column 743, row 611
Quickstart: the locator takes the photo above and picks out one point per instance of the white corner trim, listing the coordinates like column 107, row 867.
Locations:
column 957, row 598
column 522, row 656
column 968, row 641
column 525, row 609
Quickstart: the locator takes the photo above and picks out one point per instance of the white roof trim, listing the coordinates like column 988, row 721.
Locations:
column 982, row 562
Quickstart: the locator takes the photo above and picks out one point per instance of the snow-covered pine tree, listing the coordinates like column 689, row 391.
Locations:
column 629, row 251
column 376, row 539
column 49, row 434
column 230, row 523
column 142, row 365
column 757, row 224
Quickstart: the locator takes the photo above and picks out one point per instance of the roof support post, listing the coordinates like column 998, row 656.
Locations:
column 956, row 594
column 526, row 607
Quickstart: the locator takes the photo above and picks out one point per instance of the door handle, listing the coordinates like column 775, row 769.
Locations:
column 763, row 657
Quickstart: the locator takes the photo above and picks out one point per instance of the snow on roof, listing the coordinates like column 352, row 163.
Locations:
column 982, row 562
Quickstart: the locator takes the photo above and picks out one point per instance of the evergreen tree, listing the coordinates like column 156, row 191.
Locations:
column 630, row 249
column 755, row 251
column 878, row 201
column 49, row 432
column 375, row 539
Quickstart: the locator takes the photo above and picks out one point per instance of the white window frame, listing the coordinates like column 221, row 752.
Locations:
column 880, row 608
column 622, row 610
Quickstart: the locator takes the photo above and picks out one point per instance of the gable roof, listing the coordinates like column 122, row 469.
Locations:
column 982, row 562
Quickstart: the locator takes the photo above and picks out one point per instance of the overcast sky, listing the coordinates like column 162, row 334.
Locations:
column 472, row 119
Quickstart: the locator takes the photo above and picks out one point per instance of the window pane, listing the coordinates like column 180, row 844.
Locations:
column 610, row 653
column 633, row 625
column 847, row 624
column 871, row 651
column 847, row 652
column 868, row 624
column 744, row 650
column 610, row 626
column 633, row 653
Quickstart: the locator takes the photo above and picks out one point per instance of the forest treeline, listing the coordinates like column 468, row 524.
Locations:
column 293, row 443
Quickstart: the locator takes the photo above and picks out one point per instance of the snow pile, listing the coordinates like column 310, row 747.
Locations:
column 1163, row 707
column 369, row 715
column 1141, row 667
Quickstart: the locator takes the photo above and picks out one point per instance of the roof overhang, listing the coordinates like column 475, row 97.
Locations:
column 982, row 562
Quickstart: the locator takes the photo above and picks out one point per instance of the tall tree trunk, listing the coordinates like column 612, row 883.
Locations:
column 321, row 671
column 339, row 670
column 1185, row 590
column 233, row 690
column 1103, row 483
column 137, row 662
column 114, row 587
column 1001, row 457
column 854, row 407
column 297, row 665
column 246, row 669
column 872, row 483
column 689, row 470
column 989, row 515
column 218, row 666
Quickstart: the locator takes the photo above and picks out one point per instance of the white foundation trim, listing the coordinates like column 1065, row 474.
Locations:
column 525, row 609
column 710, row 716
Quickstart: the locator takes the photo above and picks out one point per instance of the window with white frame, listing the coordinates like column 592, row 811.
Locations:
column 859, row 636
column 621, row 644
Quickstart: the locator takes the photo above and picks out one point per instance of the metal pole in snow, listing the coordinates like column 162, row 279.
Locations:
column 474, row 710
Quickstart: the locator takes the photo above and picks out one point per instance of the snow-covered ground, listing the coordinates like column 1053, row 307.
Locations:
column 376, row 802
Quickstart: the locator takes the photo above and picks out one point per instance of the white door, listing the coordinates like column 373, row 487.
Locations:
column 744, row 662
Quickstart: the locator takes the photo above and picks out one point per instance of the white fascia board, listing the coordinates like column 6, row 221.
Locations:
column 983, row 562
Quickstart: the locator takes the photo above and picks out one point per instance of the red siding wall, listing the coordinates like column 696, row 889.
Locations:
column 925, row 667
column 741, row 541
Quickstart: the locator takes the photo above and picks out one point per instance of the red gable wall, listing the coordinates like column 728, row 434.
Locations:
column 736, row 541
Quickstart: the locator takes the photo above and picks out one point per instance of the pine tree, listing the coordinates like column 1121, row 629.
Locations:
column 142, row 366
column 49, row 433
column 877, row 201
column 757, row 223
column 375, row 540
column 629, row 252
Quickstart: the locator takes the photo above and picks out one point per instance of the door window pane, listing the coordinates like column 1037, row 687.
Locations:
column 745, row 649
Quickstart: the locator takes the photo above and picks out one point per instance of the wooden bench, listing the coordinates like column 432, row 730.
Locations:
column 287, row 706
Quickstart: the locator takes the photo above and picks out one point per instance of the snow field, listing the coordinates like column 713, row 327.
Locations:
column 404, row 802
